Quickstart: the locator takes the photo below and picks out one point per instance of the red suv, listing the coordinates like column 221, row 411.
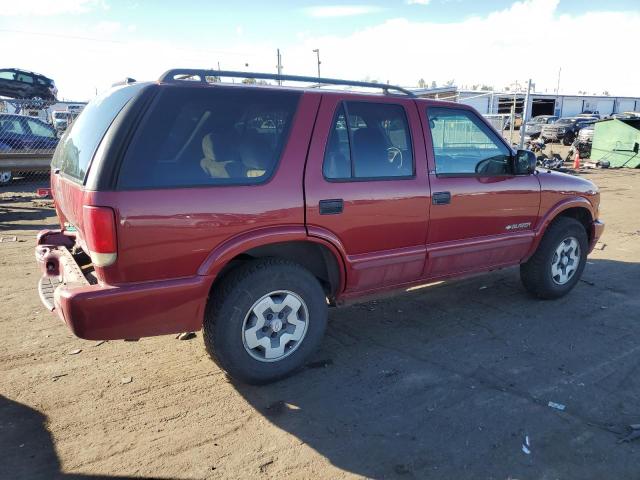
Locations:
column 247, row 210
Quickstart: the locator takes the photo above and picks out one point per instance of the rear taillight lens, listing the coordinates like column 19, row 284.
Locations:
column 100, row 235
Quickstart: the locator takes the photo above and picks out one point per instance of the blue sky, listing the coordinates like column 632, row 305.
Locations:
column 399, row 41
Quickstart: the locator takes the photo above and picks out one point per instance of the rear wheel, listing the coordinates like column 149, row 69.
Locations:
column 264, row 320
column 558, row 263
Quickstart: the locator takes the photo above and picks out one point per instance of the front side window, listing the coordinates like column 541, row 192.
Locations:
column 368, row 141
column 464, row 145
column 40, row 129
column 210, row 136
column 7, row 75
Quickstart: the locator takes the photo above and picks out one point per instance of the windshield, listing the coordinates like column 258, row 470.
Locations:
column 77, row 146
column 565, row 121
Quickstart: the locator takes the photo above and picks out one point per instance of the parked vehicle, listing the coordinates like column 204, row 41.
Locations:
column 583, row 142
column 534, row 126
column 15, row 83
column 26, row 145
column 246, row 210
column 20, row 133
column 60, row 120
column 565, row 129
column 625, row 115
column 585, row 135
column 590, row 113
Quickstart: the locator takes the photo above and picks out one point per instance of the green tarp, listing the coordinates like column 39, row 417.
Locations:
column 617, row 141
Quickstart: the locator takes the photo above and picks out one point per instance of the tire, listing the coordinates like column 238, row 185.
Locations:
column 232, row 326
column 567, row 140
column 545, row 275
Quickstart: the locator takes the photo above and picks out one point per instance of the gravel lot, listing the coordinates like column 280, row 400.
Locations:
column 448, row 381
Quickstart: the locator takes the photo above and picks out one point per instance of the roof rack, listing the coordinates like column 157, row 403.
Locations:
column 170, row 76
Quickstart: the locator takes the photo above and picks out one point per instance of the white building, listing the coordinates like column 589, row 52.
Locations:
column 539, row 103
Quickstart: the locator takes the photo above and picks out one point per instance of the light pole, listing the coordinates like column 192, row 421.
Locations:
column 317, row 52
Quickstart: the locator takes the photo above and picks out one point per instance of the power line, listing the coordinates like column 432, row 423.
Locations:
column 120, row 42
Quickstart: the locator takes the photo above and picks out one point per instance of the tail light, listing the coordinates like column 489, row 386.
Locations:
column 100, row 235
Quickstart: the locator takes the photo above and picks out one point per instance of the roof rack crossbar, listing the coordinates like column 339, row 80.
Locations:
column 170, row 76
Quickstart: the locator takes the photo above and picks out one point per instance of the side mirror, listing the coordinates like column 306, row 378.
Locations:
column 524, row 162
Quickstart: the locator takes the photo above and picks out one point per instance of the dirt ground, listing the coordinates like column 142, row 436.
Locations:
column 448, row 381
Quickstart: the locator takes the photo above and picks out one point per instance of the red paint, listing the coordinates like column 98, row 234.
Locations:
column 172, row 244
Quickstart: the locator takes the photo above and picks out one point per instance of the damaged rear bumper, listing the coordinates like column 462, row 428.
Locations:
column 97, row 311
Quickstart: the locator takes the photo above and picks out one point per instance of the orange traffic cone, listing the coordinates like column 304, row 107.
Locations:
column 576, row 161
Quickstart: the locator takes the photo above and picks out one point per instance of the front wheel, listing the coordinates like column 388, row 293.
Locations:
column 558, row 263
column 264, row 320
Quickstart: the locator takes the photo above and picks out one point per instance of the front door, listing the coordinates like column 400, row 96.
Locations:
column 483, row 214
column 366, row 188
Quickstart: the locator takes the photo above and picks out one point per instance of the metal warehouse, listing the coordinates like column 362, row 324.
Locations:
column 562, row 105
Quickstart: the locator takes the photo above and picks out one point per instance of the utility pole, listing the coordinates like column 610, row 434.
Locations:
column 512, row 118
column 525, row 112
column 317, row 52
column 557, row 108
column 279, row 67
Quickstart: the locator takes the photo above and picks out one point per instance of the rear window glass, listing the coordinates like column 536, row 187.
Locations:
column 78, row 145
column 209, row 136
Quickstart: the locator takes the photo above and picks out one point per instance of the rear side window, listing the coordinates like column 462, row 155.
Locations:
column 23, row 77
column 368, row 141
column 78, row 145
column 209, row 136
column 40, row 129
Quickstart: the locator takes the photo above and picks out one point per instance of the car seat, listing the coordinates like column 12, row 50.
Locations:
column 210, row 164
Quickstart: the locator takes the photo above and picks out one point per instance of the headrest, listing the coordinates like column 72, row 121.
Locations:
column 207, row 147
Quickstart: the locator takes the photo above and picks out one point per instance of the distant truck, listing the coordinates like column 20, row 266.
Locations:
column 60, row 120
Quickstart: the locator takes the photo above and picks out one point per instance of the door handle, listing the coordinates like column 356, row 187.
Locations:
column 332, row 206
column 441, row 198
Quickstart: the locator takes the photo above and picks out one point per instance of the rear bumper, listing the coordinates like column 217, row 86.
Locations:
column 597, row 227
column 112, row 312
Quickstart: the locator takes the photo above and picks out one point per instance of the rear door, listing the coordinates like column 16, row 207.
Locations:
column 482, row 214
column 366, row 187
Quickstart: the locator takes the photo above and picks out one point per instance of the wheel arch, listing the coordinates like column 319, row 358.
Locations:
column 317, row 255
column 577, row 208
